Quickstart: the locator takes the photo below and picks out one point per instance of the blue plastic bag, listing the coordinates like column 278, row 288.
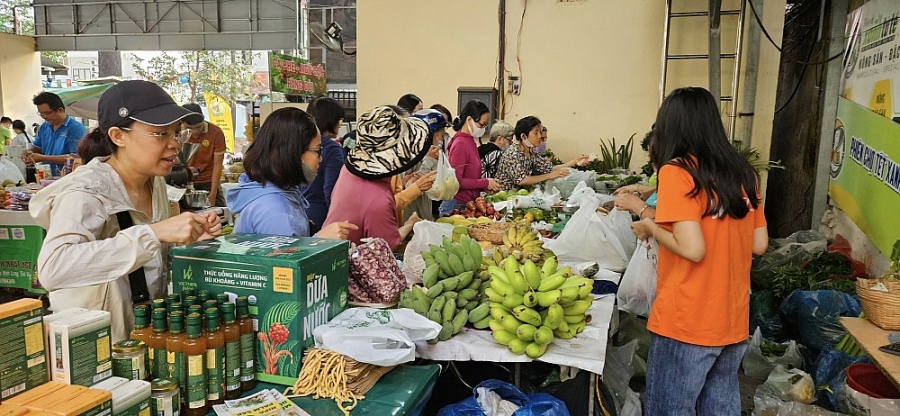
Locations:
column 831, row 371
column 815, row 314
column 535, row 404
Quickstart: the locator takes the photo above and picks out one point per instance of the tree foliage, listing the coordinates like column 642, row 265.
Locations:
column 25, row 25
column 224, row 73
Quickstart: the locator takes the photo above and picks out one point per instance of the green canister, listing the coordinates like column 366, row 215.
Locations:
column 129, row 359
column 164, row 397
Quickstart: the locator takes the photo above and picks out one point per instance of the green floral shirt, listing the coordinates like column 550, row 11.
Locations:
column 514, row 166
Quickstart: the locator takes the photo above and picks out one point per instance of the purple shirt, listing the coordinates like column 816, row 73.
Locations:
column 465, row 160
column 368, row 204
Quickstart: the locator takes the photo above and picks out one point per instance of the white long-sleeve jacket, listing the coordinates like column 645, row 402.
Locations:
column 86, row 258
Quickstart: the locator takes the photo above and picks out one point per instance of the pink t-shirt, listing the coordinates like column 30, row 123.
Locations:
column 464, row 159
column 369, row 204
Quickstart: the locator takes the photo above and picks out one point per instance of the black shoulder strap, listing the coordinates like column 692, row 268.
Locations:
column 137, row 280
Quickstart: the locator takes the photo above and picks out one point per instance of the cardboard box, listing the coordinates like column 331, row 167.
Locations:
column 24, row 363
column 131, row 399
column 80, row 348
column 12, row 410
column 89, row 402
column 110, row 384
column 35, row 393
column 299, row 283
column 49, row 319
column 61, row 395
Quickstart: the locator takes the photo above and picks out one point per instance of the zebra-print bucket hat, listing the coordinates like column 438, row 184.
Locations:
column 387, row 144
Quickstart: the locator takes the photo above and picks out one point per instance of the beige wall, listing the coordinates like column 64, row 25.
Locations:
column 20, row 76
column 588, row 69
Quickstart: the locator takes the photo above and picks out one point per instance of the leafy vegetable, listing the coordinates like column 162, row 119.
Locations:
column 824, row 271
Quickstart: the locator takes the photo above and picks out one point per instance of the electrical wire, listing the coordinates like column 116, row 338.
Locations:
column 519, row 42
column 761, row 26
column 799, row 80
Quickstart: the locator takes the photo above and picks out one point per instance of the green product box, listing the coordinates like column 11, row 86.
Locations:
column 293, row 285
column 80, row 349
column 131, row 399
column 23, row 364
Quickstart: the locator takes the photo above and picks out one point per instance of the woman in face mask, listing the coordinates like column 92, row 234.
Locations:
column 463, row 154
column 521, row 165
column 284, row 156
column 501, row 137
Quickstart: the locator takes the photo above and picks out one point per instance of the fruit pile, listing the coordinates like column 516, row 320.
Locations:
column 529, row 306
column 452, row 294
column 523, row 243
column 507, row 195
column 477, row 209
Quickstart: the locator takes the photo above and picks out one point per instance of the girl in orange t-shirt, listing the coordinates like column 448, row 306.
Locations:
column 709, row 221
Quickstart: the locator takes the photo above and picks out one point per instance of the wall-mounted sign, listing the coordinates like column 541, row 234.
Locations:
column 293, row 75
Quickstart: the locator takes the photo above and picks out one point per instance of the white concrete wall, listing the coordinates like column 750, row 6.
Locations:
column 20, row 77
column 589, row 69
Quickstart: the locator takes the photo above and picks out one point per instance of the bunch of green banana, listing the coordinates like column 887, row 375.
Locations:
column 451, row 295
column 530, row 305
column 523, row 243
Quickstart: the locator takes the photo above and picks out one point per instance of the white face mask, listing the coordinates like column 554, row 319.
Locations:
column 527, row 143
column 476, row 132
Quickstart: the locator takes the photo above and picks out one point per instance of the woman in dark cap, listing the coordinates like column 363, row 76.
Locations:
column 108, row 225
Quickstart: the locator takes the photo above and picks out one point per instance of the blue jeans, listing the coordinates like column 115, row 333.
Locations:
column 686, row 380
column 448, row 206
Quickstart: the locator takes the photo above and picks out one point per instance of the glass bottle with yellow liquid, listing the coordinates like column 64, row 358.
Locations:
column 248, row 345
column 232, row 352
column 156, row 345
column 215, row 358
column 175, row 349
column 195, row 356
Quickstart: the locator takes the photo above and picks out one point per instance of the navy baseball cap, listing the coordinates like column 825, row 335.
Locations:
column 141, row 101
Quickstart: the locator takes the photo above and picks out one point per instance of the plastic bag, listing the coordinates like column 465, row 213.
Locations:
column 384, row 337
column 857, row 403
column 10, row 172
column 810, row 240
column 375, row 276
column 758, row 365
column 637, row 289
column 589, row 236
column 567, row 184
column 445, row 183
column 791, row 385
column 765, row 316
column 424, row 233
column 535, row 404
column 815, row 315
column 767, row 403
column 766, row 267
column 536, row 199
column 618, row 370
column 831, row 371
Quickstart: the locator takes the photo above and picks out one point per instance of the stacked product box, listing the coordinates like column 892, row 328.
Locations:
column 293, row 285
column 58, row 399
column 80, row 349
column 23, row 360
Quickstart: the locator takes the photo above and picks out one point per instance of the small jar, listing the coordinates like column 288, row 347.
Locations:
column 129, row 359
column 164, row 397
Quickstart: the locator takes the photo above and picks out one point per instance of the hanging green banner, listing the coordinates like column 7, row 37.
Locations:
column 297, row 76
column 865, row 172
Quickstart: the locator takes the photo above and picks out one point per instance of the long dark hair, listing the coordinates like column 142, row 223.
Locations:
column 275, row 153
column 474, row 109
column 98, row 144
column 689, row 134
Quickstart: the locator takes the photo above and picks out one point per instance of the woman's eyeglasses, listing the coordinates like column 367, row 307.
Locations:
column 316, row 150
column 182, row 136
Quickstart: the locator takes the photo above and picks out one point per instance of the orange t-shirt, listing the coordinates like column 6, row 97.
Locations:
column 705, row 303
column 212, row 141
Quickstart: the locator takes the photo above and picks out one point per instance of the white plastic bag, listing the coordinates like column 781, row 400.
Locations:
column 445, row 183
column 424, row 234
column 568, row 184
column 767, row 403
column 637, row 288
column 375, row 336
column 758, row 366
column 856, row 403
column 10, row 172
column 589, row 236
column 791, row 385
column 536, row 199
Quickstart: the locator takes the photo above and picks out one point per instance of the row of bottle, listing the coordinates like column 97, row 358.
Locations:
column 208, row 348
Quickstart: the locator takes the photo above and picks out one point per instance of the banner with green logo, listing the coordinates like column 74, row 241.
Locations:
column 865, row 172
column 293, row 75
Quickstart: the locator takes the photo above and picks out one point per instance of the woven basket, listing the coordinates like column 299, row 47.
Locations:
column 489, row 231
column 881, row 308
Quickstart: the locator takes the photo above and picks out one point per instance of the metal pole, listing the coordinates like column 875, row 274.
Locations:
column 501, row 54
column 831, row 96
column 745, row 110
column 715, row 48
column 664, row 62
column 736, row 73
